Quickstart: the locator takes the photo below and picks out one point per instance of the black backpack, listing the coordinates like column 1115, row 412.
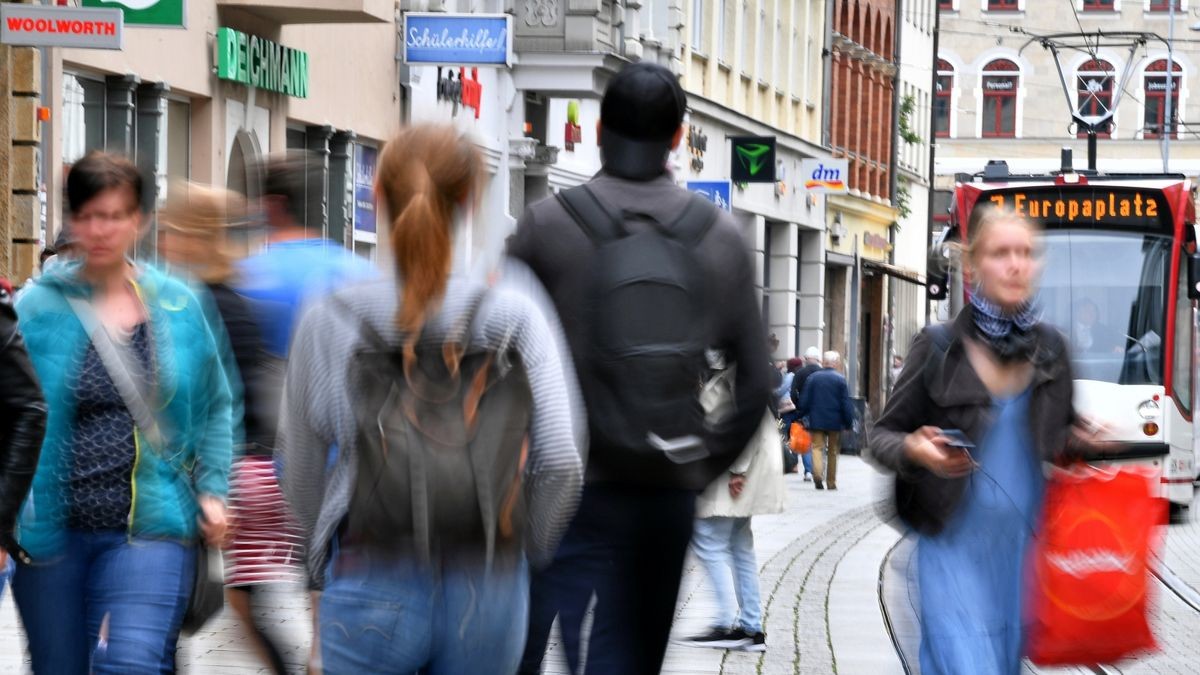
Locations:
column 442, row 435
column 647, row 327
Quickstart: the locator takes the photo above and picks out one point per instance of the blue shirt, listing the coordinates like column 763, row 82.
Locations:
column 290, row 273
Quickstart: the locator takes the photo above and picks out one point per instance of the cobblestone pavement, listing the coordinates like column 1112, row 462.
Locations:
column 820, row 563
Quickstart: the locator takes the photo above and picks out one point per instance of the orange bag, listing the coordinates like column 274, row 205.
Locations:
column 798, row 439
column 1090, row 580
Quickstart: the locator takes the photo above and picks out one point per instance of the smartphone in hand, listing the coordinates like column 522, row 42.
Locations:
column 955, row 438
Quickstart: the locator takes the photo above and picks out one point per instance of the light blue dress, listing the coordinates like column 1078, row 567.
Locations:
column 971, row 575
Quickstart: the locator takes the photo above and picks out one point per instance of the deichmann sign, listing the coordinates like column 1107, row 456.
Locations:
column 259, row 62
column 458, row 39
column 38, row 26
column 159, row 13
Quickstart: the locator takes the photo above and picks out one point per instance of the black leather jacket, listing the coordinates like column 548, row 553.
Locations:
column 949, row 395
column 22, row 426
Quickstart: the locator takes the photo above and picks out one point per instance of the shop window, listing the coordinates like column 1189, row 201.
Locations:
column 1095, row 88
column 943, row 99
column 84, row 102
column 1156, row 99
column 1001, row 80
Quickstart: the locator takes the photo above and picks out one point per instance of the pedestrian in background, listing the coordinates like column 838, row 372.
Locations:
column 825, row 410
column 422, row 571
column 788, row 414
column 22, row 426
column 264, row 544
column 980, row 404
column 723, row 539
column 135, row 463
column 639, row 350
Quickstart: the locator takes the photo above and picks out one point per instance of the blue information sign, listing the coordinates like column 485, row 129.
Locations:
column 364, row 188
column 458, row 39
column 716, row 191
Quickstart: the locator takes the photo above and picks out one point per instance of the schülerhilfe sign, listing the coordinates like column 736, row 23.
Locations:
column 259, row 62
column 458, row 39
column 50, row 26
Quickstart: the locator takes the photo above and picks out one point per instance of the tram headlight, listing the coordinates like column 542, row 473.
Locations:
column 1148, row 410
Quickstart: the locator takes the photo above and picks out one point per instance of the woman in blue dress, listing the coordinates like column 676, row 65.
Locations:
column 980, row 404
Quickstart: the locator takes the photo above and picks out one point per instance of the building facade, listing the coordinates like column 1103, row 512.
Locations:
column 756, row 68
column 999, row 99
column 914, row 175
column 861, row 129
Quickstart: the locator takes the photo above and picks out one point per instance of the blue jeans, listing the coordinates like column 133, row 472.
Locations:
column 726, row 545
column 388, row 614
column 141, row 586
column 5, row 572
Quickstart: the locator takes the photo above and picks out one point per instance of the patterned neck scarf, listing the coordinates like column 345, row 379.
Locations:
column 1009, row 335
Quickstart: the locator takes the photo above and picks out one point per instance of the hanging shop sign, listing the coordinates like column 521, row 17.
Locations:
column 872, row 240
column 573, row 133
column 697, row 142
column 259, row 62
column 718, row 192
column 157, row 13
column 48, row 26
column 365, row 158
column 825, row 176
column 457, row 39
column 461, row 91
column 753, row 159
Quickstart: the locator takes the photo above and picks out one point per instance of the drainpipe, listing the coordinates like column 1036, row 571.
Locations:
column 937, row 27
column 827, row 83
column 894, row 185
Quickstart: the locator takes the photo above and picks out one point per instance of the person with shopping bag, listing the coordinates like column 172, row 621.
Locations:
column 723, row 539
column 979, row 405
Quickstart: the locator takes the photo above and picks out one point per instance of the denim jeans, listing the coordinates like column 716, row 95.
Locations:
column 387, row 614
column 726, row 545
column 141, row 586
column 5, row 572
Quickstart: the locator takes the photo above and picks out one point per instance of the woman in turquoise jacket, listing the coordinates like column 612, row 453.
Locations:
column 116, row 508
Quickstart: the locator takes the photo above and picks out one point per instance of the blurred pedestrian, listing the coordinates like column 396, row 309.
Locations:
column 825, row 410
column 22, row 426
column 788, row 414
column 645, row 277
column 264, row 544
column 136, row 458
column 425, row 571
column 723, row 539
column 981, row 402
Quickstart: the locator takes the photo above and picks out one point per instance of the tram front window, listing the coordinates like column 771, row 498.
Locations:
column 1107, row 292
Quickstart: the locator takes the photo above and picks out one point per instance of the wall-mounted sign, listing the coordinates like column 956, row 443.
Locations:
column 158, row 13
column 259, row 62
column 457, row 39
column 461, row 91
column 716, row 191
column 999, row 84
column 365, row 158
column 753, row 159
column 872, row 240
column 1099, row 206
column 825, row 176
column 697, row 142
column 47, row 26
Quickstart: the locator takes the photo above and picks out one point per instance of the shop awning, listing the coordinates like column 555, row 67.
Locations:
column 893, row 271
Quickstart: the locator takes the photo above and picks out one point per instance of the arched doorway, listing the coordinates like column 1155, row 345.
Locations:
column 244, row 176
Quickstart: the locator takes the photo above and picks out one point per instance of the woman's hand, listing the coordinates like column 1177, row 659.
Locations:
column 737, row 483
column 213, row 521
column 927, row 447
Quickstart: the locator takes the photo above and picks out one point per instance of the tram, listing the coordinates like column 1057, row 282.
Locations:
column 1119, row 278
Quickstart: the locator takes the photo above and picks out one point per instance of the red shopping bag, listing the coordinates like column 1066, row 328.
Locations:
column 1090, row 577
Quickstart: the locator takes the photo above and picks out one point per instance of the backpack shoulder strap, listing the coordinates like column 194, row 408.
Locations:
column 599, row 222
column 940, row 338
column 695, row 221
column 368, row 331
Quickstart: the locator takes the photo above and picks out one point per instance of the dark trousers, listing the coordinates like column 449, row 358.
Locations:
column 627, row 546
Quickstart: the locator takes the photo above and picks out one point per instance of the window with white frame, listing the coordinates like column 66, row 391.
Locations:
column 1001, row 82
column 943, row 100
column 1155, row 88
column 1095, row 82
column 698, row 25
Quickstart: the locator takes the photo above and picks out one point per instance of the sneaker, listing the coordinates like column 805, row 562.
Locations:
column 721, row 638
column 820, row 485
column 758, row 642
column 807, row 477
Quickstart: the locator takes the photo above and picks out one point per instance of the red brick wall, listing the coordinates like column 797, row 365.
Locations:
column 862, row 104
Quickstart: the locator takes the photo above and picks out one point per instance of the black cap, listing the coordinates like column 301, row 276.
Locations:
column 642, row 109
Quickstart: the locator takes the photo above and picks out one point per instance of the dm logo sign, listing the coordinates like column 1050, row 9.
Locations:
column 825, row 176
column 753, row 159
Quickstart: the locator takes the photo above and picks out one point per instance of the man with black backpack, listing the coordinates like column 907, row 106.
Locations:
column 645, row 277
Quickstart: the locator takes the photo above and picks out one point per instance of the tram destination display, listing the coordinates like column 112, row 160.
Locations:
column 1096, row 205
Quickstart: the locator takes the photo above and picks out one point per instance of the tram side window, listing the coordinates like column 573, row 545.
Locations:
column 1181, row 370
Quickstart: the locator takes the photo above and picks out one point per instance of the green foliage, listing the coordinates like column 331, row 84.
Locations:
column 907, row 133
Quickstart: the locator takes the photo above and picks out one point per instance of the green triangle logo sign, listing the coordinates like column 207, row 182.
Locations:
column 753, row 159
